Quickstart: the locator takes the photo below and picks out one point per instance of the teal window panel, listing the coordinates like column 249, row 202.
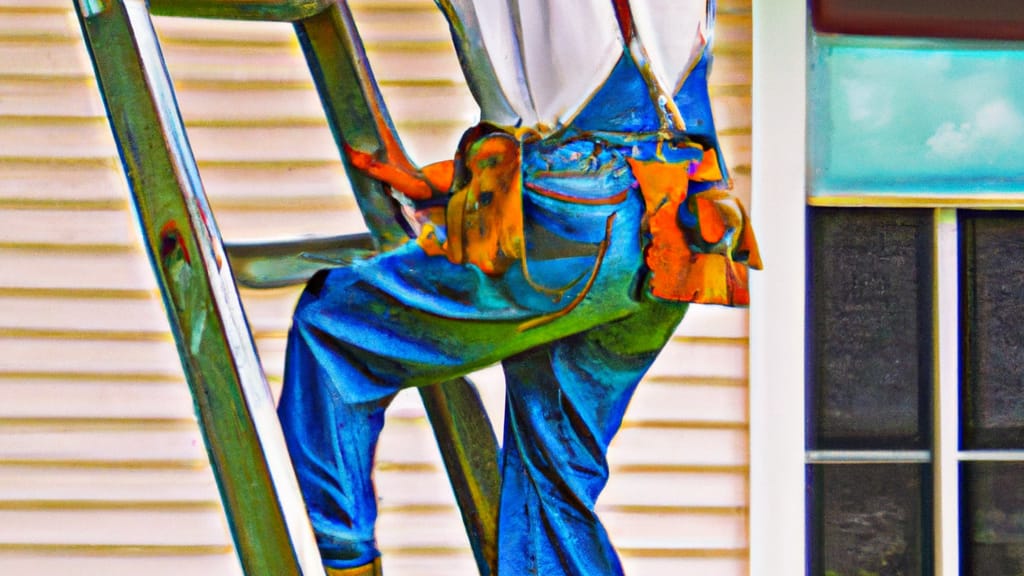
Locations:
column 915, row 117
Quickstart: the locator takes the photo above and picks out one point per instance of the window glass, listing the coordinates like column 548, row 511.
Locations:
column 870, row 519
column 870, row 341
column 906, row 117
column 992, row 519
column 993, row 329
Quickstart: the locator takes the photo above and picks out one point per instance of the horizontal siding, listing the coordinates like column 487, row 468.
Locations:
column 102, row 468
column 116, row 562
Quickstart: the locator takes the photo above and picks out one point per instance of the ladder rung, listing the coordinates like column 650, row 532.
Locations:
column 288, row 262
column 273, row 10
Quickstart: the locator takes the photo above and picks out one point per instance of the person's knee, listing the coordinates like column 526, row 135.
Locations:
column 305, row 315
column 316, row 283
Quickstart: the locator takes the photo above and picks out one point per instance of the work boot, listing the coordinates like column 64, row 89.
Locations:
column 371, row 569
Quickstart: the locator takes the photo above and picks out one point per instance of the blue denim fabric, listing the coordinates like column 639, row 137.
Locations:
column 405, row 319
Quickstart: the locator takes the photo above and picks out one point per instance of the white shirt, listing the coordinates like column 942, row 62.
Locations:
column 548, row 57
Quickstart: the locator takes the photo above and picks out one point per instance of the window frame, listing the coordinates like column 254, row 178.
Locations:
column 944, row 20
column 777, row 315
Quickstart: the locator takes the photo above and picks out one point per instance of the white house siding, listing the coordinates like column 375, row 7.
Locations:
column 102, row 470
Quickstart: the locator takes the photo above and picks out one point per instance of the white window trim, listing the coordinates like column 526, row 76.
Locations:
column 777, row 477
column 946, row 465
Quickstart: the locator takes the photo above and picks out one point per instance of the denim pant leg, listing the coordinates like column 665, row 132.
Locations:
column 332, row 435
column 339, row 380
column 406, row 319
column 565, row 402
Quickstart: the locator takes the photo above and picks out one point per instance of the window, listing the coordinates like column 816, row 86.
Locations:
column 894, row 248
column 877, row 400
column 870, row 388
column 992, row 392
column 915, row 306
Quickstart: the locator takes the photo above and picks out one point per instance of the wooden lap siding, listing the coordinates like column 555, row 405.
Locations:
column 102, row 470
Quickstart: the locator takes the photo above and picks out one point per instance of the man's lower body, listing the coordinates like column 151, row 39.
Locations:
column 574, row 336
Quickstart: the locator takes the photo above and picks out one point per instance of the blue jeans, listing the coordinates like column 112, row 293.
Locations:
column 404, row 319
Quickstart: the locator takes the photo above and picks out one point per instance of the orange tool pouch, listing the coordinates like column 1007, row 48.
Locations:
column 706, row 262
column 485, row 212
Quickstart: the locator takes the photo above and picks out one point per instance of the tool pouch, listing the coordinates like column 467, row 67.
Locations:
column 701, row 244
column 485, row 212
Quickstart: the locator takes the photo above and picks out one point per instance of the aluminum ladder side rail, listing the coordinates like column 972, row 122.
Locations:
column 234, row 405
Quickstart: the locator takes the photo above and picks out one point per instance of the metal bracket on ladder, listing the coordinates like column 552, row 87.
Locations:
column 235, row 408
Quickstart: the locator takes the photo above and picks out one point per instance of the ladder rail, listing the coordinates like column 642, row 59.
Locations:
column 234, row 405
column 200, row 294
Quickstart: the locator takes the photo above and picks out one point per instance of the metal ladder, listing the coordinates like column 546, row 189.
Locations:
column 193, row 267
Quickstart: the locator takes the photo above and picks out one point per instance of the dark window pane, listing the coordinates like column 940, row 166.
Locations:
column 870, row 519
column 870, row 345
column 984, row 19
column 992, row 518
column 993, row 329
